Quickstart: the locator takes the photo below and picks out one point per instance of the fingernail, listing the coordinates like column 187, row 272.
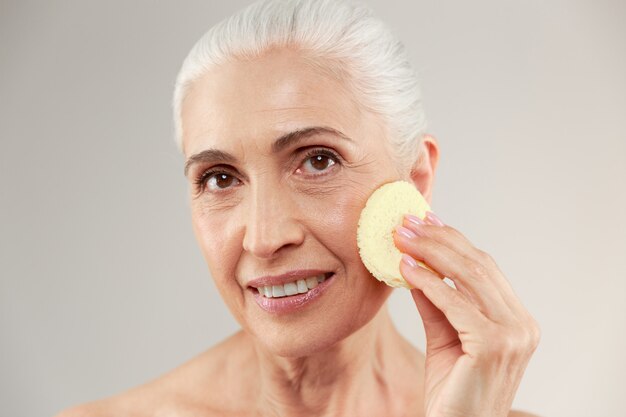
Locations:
column 409, row 261
column 414, row 219
column 414, row 224
column 433, row 219
column 403, row 231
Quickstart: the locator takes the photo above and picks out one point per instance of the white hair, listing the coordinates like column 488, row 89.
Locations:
column 342, row 36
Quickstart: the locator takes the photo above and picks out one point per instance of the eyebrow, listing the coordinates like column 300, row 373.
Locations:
column 288, row 139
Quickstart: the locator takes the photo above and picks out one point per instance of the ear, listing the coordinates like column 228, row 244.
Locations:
column 423, row 171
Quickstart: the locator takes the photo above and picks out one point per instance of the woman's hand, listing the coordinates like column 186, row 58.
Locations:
column 479, row 337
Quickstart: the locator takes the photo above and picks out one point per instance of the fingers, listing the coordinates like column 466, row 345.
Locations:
column 448, row 235
column 483, row 318
column 453, row 306
column 470, row 277
column 454, row 239
column 439, row 332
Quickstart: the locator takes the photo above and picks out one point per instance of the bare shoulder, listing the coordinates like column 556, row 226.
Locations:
column 517, row 413
column 197, row 387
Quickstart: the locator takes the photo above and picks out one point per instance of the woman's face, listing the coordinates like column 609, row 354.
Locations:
column 265, row 207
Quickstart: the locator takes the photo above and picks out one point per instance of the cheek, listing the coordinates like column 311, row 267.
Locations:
column 333, row 219
column 335, row 226
column 221, row 255
column 337, row 206
column 206, row 234
column 213, row 240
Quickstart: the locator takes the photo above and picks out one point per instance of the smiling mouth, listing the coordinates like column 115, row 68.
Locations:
column 301, row 286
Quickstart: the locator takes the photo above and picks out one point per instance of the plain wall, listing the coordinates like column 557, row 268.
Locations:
column 103, row 286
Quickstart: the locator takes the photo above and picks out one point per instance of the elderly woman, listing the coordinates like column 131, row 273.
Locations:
column 290, row 114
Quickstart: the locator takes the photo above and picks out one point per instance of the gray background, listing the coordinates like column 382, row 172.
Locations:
column 103, row 287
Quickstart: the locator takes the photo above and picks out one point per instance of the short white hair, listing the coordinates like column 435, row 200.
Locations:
column 340, row 32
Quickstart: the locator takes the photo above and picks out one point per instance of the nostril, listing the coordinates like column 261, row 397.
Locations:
column 270, row 223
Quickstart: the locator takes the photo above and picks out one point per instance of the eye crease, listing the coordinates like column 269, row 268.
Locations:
column 220, row 179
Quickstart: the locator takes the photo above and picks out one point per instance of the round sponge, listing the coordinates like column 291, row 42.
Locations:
column 384, row 210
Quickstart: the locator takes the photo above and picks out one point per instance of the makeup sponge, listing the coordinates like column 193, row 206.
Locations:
column 383, row 211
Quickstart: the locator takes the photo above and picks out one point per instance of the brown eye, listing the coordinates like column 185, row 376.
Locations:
column 318, row 163
column 223, row 180
column 217, row 181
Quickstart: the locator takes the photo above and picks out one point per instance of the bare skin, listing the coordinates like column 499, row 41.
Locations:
column 204, row 385
column 278, row 211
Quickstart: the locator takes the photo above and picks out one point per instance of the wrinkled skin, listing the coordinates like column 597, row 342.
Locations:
column 278, row 212
column 267, row 213
column 275, row 215
column 282, row 213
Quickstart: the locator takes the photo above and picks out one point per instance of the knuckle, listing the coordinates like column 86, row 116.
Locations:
column 508, row 346
column 452, row 232
column 449, row 229
column 502, row 344
column 535, row 334
column 484, row 257
column 477, row 269
column 507, row 343
column 516, row 344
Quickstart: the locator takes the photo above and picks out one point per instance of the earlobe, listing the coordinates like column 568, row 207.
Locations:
column 423, row 171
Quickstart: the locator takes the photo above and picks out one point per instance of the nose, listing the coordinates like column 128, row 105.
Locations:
column 272, row 222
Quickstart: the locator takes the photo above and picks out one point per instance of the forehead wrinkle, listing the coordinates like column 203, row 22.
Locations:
column 279, row 109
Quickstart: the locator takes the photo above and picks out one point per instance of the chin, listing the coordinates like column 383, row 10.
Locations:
column 319, row 336
column 308, row 341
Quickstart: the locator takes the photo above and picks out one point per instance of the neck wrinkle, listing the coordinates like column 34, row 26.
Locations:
column 341, row 378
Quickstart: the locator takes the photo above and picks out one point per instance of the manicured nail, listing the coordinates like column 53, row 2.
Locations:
column 403, row 231
column 414, row 224
column 433, row 219
column 409, row 261
column 414, row 219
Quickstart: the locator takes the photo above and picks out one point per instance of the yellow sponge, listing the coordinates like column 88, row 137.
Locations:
column 384, row 210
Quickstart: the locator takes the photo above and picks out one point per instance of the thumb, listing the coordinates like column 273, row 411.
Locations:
column 439, row 332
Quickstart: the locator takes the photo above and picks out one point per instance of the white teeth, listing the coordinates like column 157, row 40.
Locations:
column 278, row 290
column 311, row 282
column 291, row 288
column 300, row 286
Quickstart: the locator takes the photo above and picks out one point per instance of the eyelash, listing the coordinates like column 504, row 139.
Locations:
column 200, row 181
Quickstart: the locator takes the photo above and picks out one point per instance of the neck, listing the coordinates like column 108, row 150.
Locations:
column 372, row 372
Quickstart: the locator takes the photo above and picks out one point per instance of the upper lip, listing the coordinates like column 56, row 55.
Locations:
column 290, row 276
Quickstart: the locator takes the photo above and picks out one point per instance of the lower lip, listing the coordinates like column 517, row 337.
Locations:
column 293, row 302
